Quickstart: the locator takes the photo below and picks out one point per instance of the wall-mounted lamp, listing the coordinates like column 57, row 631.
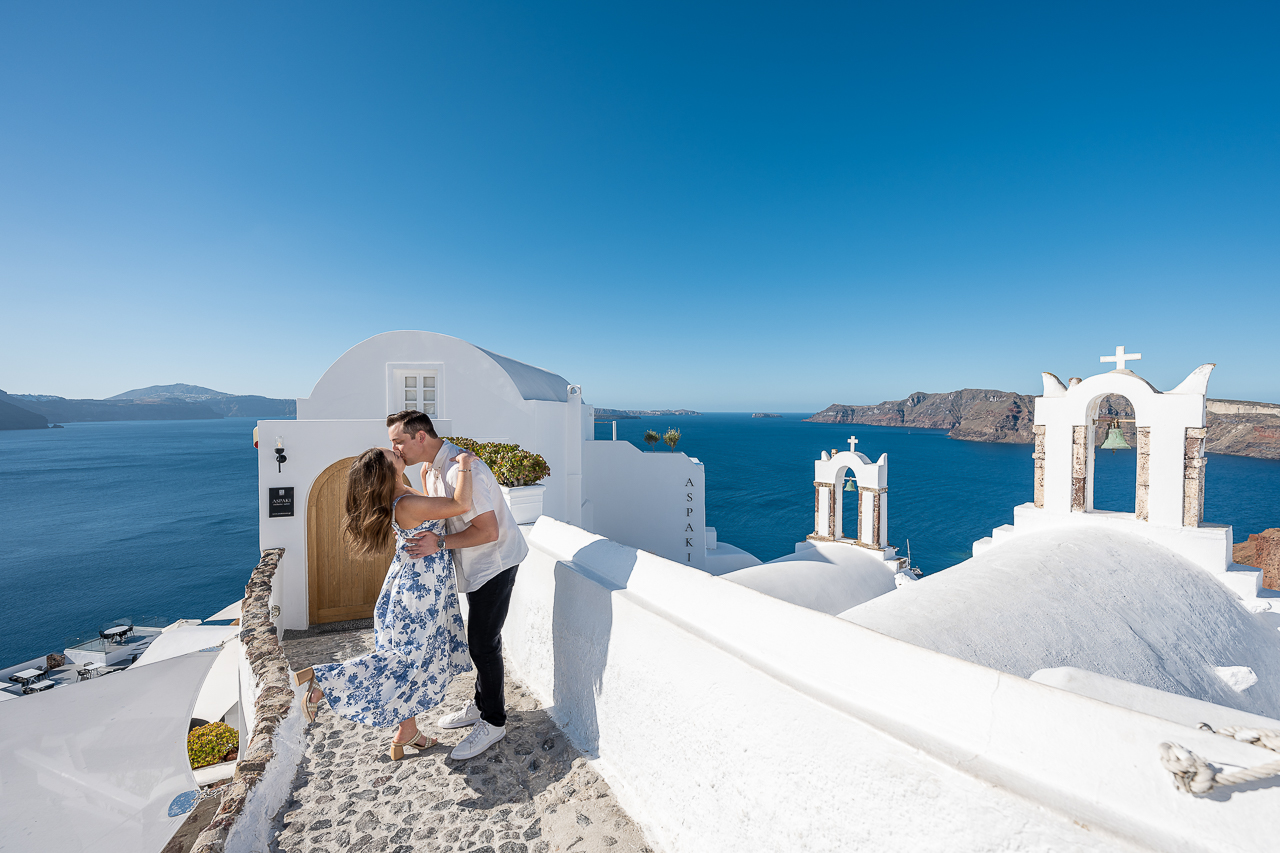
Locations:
column 280, row 457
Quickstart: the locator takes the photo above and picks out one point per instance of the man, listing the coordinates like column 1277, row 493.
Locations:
column 487, row 548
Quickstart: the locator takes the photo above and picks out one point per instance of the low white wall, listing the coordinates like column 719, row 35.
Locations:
column 730, row 721
column 656, row 500
column 1208, row 546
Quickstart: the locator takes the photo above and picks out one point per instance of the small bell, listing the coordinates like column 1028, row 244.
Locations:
column 1115, row 440
column 850, row 485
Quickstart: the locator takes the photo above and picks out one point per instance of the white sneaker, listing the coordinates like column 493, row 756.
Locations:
column 468, row 716
column 481, row 738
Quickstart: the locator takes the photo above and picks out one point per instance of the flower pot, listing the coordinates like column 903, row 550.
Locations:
column 525, row 502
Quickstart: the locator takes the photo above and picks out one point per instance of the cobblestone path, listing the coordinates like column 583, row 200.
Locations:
column 530, row 793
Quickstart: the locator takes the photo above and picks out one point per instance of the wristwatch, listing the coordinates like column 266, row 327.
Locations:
column 440, row 542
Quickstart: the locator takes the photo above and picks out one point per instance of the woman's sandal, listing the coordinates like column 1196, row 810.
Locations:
column 309, row 707
column 397, row 748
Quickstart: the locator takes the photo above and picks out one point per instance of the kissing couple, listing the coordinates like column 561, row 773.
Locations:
column 458, row 524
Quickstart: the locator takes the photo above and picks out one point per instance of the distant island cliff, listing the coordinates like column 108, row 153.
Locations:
column 632, row 414
column 1236, row 427
column 155, row 403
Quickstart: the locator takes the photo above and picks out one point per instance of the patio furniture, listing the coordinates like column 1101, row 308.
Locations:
column 27, row 676
column 37, row 686
column 90, row 670
column 116, row 633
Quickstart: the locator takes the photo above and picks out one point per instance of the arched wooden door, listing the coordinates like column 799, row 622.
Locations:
column 342, row 585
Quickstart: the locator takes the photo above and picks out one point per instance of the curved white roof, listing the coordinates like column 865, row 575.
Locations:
column 1102, row 601
column 533, row 383
column 355, row 386
column 826, row 577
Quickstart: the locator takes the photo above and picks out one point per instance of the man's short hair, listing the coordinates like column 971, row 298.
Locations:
column 412, row 422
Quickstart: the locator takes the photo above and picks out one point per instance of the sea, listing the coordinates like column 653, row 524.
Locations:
column 157, row 520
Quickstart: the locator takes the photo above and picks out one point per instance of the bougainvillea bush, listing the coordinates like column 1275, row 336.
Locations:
column 511, row 465
column 211, row 743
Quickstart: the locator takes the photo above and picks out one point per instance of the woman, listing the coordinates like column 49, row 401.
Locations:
column 420, row 641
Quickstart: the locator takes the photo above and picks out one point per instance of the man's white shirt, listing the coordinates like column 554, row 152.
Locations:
column 476, row 566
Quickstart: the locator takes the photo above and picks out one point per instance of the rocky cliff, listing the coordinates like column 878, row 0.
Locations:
column 1236, row 427
column 973, row 414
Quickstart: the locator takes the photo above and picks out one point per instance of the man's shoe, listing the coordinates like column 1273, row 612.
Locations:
column 481, row 738
column 468, row 716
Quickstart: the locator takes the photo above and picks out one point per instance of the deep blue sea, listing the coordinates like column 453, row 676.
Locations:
column 157, row 520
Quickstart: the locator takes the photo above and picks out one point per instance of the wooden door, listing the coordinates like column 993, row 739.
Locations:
column 342, row 585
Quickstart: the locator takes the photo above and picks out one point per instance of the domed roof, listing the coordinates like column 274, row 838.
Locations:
column 1099, row 600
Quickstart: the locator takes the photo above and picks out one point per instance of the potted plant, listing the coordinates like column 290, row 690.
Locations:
column 517, row 471
column 211, row 744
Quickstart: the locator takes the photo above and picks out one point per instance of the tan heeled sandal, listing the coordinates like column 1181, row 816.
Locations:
column 397, row 748
column 309, row 707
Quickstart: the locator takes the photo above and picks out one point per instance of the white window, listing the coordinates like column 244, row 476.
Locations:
column 414, row 387
column 420, row 392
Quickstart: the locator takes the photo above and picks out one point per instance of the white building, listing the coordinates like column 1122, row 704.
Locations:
column 1024, row 700
column 654, row 501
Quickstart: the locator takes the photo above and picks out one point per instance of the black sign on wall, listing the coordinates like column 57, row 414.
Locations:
column 280, row 502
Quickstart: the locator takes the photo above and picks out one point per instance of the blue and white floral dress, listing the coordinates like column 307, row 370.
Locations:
column 420, row 641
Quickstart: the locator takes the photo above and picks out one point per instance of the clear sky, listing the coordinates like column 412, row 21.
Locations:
column 722, row 207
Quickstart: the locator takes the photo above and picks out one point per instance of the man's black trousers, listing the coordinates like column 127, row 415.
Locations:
column 487, row 610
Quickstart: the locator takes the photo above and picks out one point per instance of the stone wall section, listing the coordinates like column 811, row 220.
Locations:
column 1193, row 477
column 1144, row 473
column 1079, row 468
column 274, row 702
column 1038, row 456
column 875, row 517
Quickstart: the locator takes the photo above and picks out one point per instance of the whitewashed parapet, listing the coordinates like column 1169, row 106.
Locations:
column 273, row 719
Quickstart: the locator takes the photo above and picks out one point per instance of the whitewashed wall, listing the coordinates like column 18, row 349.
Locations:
column 655, row 501
column 477, row 397
column 730, row 721
column 311, row 447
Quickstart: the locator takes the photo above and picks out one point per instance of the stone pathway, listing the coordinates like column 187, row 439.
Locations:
column 530, row 793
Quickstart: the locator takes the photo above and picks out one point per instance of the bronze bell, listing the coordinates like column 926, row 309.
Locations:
column 1115, row 440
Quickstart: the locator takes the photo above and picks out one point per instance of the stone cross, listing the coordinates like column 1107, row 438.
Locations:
column 1120, row 357
column 853, row 444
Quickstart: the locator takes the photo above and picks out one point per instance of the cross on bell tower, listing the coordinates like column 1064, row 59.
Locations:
column 1120, row 357
column 853, row 444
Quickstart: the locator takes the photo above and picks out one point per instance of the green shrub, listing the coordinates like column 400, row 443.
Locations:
column 511, row 465
column 672, row 437
column 651, row 438
column 210, row 744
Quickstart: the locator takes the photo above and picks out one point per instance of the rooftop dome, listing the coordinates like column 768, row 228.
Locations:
column 1106, row 602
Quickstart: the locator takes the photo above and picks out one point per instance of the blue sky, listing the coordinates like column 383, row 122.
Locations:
column 722, row 207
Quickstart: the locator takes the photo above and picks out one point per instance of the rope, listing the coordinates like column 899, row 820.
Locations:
column 1194, row 775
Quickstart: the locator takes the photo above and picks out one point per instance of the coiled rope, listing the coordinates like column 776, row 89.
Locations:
column 1192, row 774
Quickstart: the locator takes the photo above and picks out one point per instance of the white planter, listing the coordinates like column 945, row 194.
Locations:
column 525, row 502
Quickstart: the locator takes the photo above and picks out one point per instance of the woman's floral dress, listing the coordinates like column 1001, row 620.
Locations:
column 420, row 642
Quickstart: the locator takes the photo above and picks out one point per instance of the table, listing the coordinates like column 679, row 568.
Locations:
column 38, row 686
column 27, row 676
column 118, row 633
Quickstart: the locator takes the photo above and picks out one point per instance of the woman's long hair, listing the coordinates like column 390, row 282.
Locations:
column 371, row 483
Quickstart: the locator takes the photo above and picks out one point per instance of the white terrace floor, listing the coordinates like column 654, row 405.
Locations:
column 532, row 793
